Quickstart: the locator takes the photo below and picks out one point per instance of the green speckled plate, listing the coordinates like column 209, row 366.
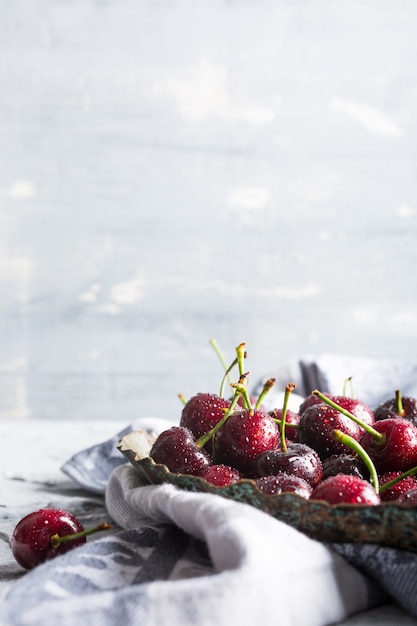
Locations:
column 387, row 524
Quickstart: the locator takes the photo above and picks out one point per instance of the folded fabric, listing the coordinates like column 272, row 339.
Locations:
column 192, row 558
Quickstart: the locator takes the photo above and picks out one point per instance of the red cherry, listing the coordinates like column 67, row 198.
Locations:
column 399, row 406
column 345, row 488
column 221, row 475
column 396, row 449
column 406, row 484
column 176, row 448
column 202, row 412
column 44, row 534
column 298, row 460
column 316, row 428
column 409, row 498
column 243, row 436
column 284, row 483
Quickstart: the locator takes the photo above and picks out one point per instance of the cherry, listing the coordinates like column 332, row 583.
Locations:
column 298, row 460
column 221, row 475
column 344, row 464
column 409, row 498
column 396, row 446
column 202, row 412
column 357, row 407
column 399, row 406
column 390, row 443
column 345, row 488
column 46, row 533
column 243, row 436
column 176, row 448
column 316, row 427
column 290, row 418
column 284, row 483
column 389, row 491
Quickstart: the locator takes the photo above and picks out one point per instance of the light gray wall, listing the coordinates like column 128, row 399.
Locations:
column 173, row 171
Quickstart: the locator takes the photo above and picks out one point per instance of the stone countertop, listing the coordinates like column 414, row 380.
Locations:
column 32, row 453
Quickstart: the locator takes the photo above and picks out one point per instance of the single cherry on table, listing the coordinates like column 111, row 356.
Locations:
column 44, row 534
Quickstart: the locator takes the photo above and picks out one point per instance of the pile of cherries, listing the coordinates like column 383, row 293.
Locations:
column 335, row 448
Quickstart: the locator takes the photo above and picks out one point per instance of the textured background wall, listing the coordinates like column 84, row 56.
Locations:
column 176, row 171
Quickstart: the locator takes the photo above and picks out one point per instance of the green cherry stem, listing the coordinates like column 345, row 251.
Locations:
column 268, row 384
column 288, row 390
column 201, row 441
column 399, row 408
column 56, row 539
column 397, row 479
column 241, row 356
column 226, row 377
column 347, row 382
column 354, row 445
column 217, row 350
column 380, row 437
column 182, row 398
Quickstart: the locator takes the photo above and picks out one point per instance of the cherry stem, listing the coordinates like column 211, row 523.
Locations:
column 347, row 382
column 217, row 350
column 354, row 445
column 399, row 408
column 266, row 388
column 201, row 441
column 397, row 479
column 226, row 377
column 56, row 539
column 241, row 355
column 182, row 398
column 380, row 437
column 288, row 390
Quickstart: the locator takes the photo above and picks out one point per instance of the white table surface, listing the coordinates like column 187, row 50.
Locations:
column 32, row 452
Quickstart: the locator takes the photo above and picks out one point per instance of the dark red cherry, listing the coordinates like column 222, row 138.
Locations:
column 347, row 489
column 243, row 436
column 221, row 475
column 396, row 449
column 409, row 498
column 399, row 406
column 316, row 430
column 408, row 483
column 177, row 449
column 344, row 464
column 290, row 418
column 44, row 534
column 202, row 412
column 298, row 460
column 284, row 483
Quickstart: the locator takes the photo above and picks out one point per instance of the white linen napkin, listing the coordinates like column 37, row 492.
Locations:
column 180, row 558
column 264, row 571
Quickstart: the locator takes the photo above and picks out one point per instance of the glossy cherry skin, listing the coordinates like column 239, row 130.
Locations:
column 389, row 409
column 401, row 487
column 346, row 489
column 290, row 418
column 344, row 464
column 298, row 460
column 177, row 449
column 221, row 475
column 316, row 430
column 202, row 412
column 243, row 436
column 398, row 450
column 284, row 483
column 353, row 405
column 409, row 498
column 31, row 539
